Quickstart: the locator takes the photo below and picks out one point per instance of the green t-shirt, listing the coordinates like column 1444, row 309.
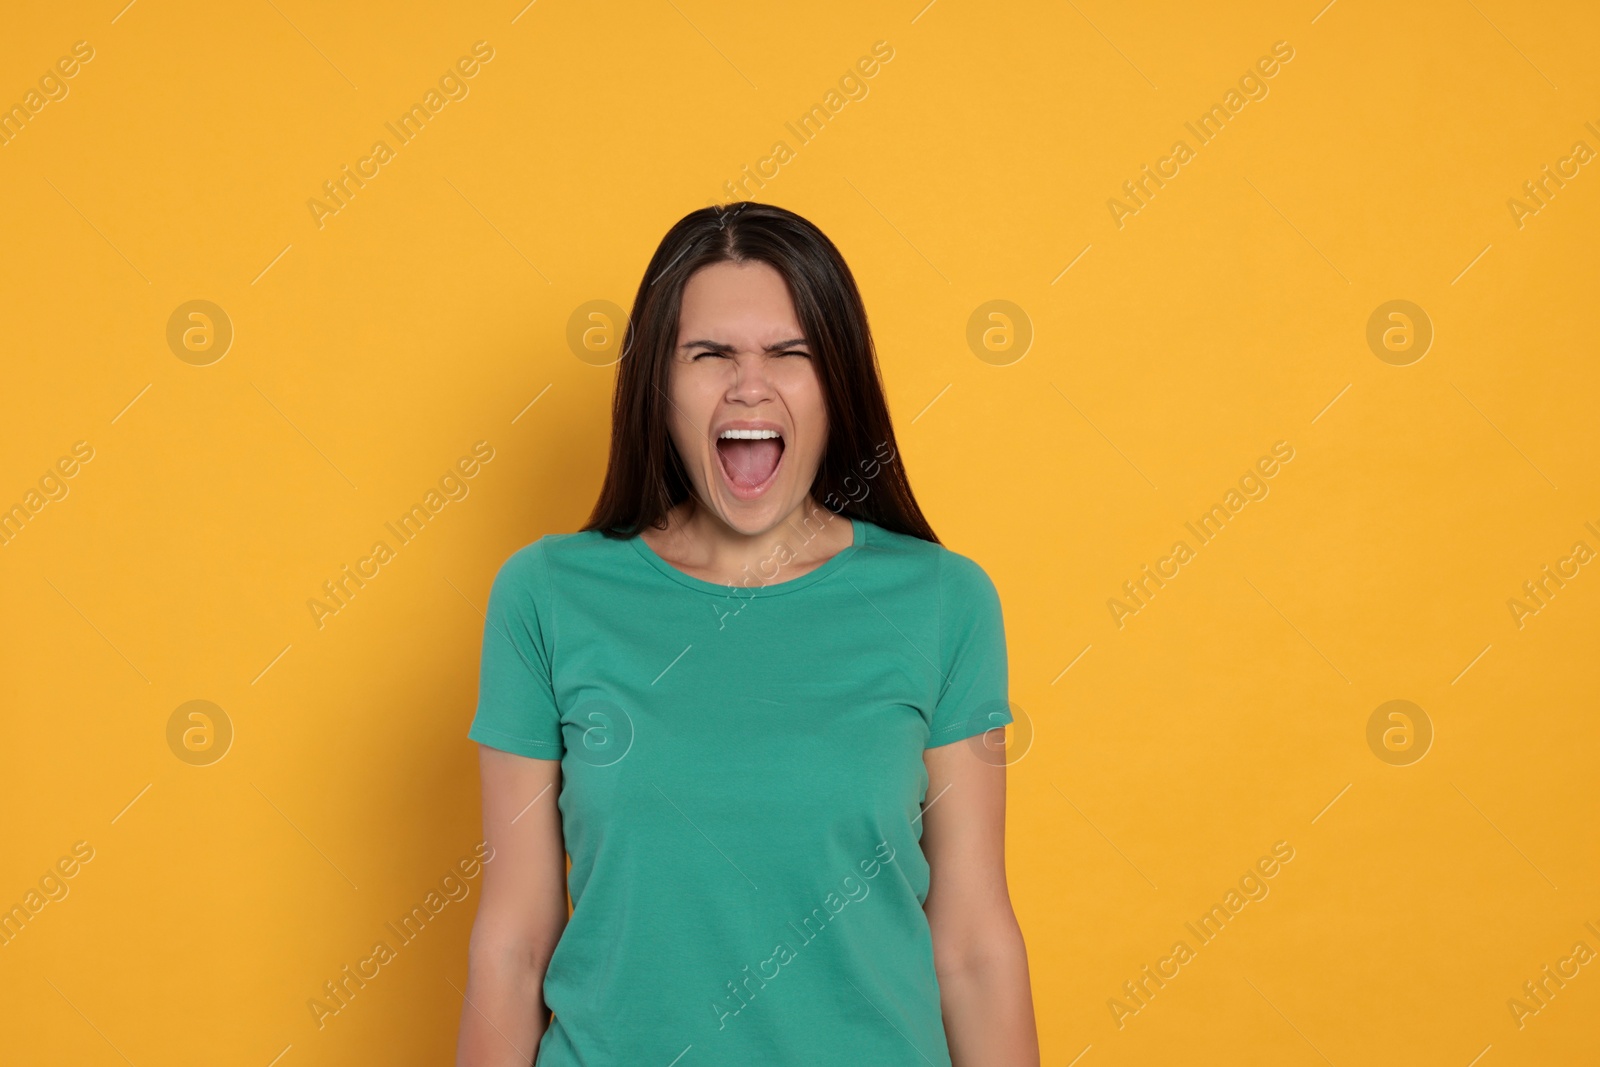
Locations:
column 742, row 789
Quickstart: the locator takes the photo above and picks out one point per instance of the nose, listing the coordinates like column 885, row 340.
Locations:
column 750, row 384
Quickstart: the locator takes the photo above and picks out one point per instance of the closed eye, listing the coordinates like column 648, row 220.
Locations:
column 723, row 355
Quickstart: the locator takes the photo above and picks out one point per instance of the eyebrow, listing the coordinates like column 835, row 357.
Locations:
column 727, row 349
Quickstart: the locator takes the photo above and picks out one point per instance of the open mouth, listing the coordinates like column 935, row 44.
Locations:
column 749, row 459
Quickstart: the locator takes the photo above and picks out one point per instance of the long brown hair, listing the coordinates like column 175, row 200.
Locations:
column 861, row 474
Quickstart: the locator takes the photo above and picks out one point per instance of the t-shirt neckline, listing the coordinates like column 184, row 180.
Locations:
column 816, row 574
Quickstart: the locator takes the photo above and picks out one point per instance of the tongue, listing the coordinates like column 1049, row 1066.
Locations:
column 749, row 463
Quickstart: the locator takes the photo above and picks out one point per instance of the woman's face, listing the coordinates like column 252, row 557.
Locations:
column 743, row 364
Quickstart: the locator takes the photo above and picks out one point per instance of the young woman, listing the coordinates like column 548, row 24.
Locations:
column 756, row 702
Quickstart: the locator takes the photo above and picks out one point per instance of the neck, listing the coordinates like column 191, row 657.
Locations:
column 699, row 541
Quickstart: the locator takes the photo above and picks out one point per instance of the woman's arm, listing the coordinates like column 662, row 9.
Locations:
column 978, row 953
column 521, row 914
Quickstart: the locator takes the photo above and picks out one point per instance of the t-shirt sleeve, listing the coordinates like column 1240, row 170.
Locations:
column 516, row 699
column 974, row 693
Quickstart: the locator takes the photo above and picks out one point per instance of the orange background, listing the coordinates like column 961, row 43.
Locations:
column 1167, row 349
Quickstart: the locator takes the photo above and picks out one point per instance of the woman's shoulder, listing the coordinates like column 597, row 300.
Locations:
column 534, row 560
column 927, row 559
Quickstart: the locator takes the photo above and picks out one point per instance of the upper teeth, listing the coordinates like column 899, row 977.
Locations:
column 750, row 435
